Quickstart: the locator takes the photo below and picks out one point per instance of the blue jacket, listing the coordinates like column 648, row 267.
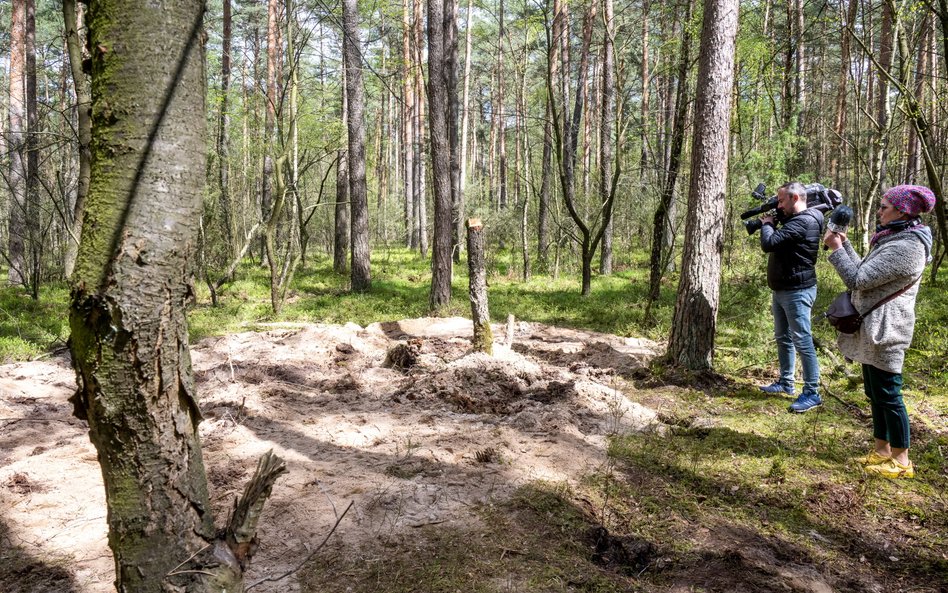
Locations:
column 793, row 250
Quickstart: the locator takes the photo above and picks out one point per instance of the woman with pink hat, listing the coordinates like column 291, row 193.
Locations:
column 898, row 252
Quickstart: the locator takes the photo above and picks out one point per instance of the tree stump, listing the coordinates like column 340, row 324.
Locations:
column 483, row 338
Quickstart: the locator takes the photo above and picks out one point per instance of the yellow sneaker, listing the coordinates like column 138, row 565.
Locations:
column 871, row 458
column 891, row 468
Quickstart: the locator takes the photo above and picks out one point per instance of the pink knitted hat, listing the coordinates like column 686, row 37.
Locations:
column 911, row 199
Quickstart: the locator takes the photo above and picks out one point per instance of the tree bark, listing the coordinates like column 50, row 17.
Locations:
column 340, row 252
column 451, row 77
column 17, row 144
column 692, row 339
column 497, row 111
column 839, row 121
column 465, row 116
column 360, row 271
column 606, row 124
column 543, row 206
column 74, row 47
column 439, row 113
column 408, row 119
column 477, row 278
column 223, row 132
column 913, row 160
column 269, row 146
column 661, row 219
column 883, row 125
column 131, row 288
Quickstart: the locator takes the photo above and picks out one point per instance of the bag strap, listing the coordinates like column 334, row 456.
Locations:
column 891, row 296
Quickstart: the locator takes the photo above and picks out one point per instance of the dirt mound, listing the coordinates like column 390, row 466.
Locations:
column 409, row 446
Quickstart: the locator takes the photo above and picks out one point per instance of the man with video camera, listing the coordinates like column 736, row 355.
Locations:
column 791, row 275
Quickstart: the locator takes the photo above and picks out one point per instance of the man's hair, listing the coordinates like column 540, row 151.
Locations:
column 794, row 188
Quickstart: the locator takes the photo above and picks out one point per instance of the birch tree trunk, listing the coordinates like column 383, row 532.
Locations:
column 131, row 287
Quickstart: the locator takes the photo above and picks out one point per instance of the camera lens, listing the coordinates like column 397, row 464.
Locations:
column 753, row 225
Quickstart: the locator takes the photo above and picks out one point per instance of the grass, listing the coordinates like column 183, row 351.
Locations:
column 30, row 328
column 732, row 471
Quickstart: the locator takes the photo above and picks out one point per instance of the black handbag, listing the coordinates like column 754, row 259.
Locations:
column 842, row 315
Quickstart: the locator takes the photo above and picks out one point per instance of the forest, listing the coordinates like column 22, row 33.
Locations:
column 439, row 296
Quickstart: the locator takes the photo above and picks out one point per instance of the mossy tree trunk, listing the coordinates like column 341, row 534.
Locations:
column 477, row 280
column 131, row 285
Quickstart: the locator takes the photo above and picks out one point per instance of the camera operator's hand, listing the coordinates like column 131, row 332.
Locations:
column 767, row 219
column 833, row 241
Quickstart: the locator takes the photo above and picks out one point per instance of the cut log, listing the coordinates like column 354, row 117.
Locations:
column 483, row 338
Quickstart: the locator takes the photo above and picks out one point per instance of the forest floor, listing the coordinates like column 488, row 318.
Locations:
column 558, row 464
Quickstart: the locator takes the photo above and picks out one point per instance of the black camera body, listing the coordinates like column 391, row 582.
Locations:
column 817, row 196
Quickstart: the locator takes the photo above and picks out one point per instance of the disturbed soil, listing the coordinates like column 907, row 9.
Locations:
column 400, row 419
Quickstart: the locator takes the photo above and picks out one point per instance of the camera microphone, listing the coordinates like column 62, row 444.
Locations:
column 840, row 219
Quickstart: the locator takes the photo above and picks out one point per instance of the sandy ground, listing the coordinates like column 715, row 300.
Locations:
column 407, row 447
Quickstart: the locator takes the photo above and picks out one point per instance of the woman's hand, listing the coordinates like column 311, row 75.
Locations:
column 833, row 241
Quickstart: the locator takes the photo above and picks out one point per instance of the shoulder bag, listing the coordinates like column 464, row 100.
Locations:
column 842, row 315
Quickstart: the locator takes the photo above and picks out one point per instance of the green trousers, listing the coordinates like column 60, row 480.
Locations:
column 890, row 421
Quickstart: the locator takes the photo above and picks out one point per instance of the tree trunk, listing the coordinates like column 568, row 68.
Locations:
column 131, row 288
column 660, row 221
column 33, row 240
column 74, row 47
column 477, row 280
column 273, row 57
column 543, row 207
column 421, row 201
column 17, row 144
column 439, row 120
column 839, row 121
column 883, row 123
column 692, row 338
column 497, row 110
column 606, row 124
column 451, row 78
column 360, row 272
column 567, row 138
column 340, row 250
column 644, row 111
column 223, row 132
column 408, row 127
column 465, row 116
column 913, row 160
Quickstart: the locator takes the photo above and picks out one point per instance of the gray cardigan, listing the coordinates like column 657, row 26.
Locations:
column 891, row 264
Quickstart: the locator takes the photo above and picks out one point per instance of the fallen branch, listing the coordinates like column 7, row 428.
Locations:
column 305, row 560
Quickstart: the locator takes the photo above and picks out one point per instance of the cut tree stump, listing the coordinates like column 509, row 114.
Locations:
column 483, row 338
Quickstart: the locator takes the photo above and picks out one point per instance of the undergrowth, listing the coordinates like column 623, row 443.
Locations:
column 730, row 471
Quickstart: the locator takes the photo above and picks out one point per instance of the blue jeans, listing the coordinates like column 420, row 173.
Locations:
column 791, row 309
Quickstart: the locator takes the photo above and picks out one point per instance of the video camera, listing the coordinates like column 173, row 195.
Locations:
column 817, row 196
